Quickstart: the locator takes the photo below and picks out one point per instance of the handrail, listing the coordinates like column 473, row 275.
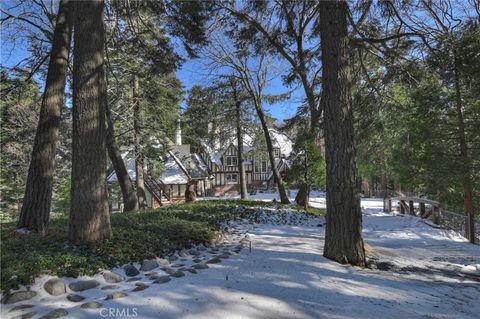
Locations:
column 416, row 199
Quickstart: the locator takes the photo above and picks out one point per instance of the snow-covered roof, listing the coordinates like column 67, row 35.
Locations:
column 173, row 174
column 281, row 141
column 215, row 150
column 129, row 164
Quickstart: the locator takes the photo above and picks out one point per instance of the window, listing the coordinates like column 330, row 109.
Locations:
column 231, row 160
column 276, row 152
column 264, row 166
column 261, row 166
column 232, row 178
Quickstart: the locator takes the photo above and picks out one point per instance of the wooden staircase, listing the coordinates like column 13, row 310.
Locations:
column 158, row 190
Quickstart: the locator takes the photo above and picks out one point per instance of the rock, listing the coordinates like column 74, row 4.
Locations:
column 172, row 258
column 194, row 252
column 200, row 266
column 57, row 313
column 149, row 265
column 83, row 285
column 18, row 296
column 20, row 307
column 140, row 286
column 27, row 315
column 214, row 260
column 163, row 261
column 116, row 295
column 178, row 265
column 224, row 256
column 110, row 287
column 191, row 270
column 162, row 279
column 174, row 273
column 133, row 279
column 112, row 277
column 131, row 270
column 75, row 298
column 91, row 305
column 55, row 287
column 197, row 260
column 201, row 248
column 182, row 253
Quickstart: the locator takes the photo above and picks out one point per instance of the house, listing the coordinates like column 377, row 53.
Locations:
column 221, row 159
column 213, row 169
column 181, row 167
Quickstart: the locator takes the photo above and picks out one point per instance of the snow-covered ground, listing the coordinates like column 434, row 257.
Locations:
column 433, row 273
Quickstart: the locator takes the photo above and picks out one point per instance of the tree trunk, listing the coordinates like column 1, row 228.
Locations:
column 299, row 199
column 191, row 191
column 466, row 174
column 140, row 180
column 343, row 233
column 130, row 200
column 276, row 174
column 241, row 167
column 37, row 201
column 89, row 215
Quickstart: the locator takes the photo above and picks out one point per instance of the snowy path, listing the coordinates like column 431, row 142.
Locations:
column 286, row 276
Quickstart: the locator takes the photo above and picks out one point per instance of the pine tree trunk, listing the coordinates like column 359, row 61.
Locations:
column 276, row 174
column 89, row 215
column 139, row 179
column 37, row 201
column 467, row 180
column 241, row 166
column 191, row 191
column 130, row 200
column 343, row 233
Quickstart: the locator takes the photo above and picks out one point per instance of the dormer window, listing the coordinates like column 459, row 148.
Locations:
column 231, row 161
column 276, row 152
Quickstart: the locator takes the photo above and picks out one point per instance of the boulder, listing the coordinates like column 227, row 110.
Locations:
column 200, row 266
column 140, row 286
column 116, row 295
column 55, row 287
column 75, row 298
column 161, row 279
column 57, row 313
column 27, row 315
column 112, row 277
column 83, row 285
column 149, row 264
column 21, row 307
column 91, row 305
column 110, row 287
column 18, row 296
column 131, row 270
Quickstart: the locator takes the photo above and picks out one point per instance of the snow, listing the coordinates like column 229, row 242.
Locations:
column 173, row 173
column 282, row 141
column 435, row 274
column 130, row 165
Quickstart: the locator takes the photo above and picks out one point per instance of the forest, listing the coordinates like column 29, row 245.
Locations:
column 149, row 131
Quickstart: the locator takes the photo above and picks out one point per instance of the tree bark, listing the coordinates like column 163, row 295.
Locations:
column 89, row 215
column 466, row 174
column 241, row 167
column 190, row 191
column 37, row 201
column 139, row 165
column 276, row 174
column 130, row 200
column 343, row 233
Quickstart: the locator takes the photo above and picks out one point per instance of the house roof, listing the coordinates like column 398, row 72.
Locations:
column 216, row 149
column 180, row 166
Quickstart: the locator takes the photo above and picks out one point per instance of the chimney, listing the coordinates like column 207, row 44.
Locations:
column 178, row 133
